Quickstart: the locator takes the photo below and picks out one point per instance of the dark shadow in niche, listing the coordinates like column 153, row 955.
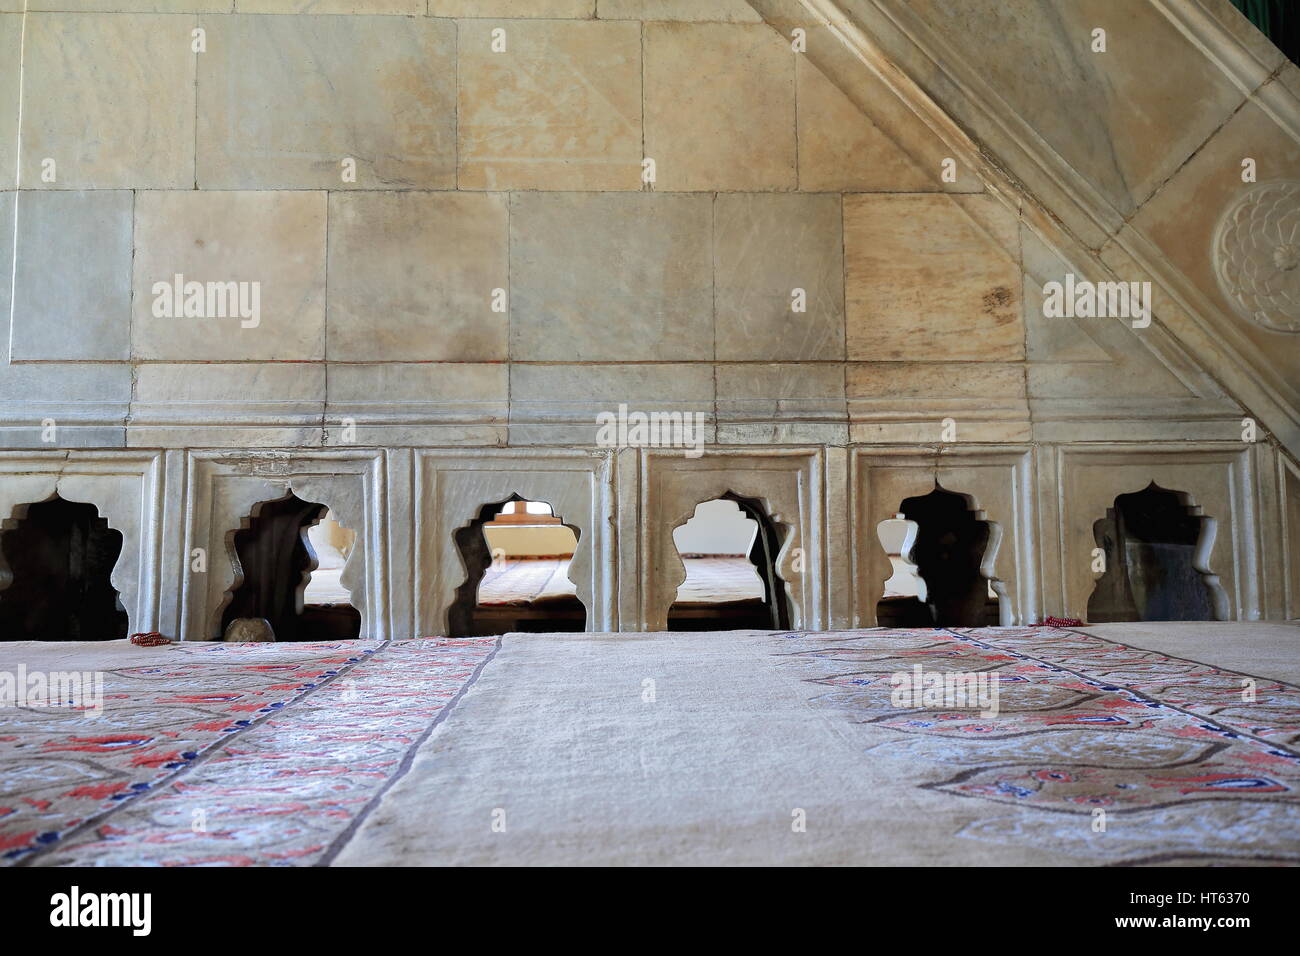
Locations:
column 273, row 563
column 948, row 552
column 56, row 562
column 772, row 612
column 1156, row 545
column 467, row 617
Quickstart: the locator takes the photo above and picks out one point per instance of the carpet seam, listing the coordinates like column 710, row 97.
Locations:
column 340, row 842
column 202, row 757
column 1222, row 725
column 1188, row 660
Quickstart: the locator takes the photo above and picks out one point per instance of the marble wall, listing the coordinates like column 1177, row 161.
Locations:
column 1137, row 129
column 439, row 239
column 467, row 188
column 466, row 185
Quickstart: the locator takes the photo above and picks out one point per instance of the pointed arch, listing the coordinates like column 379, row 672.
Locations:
column 954, row 550
column 466, row 616
column 57, row 558
column 1156, row 544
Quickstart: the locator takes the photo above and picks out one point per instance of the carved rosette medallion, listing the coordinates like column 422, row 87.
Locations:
column 1257, row 255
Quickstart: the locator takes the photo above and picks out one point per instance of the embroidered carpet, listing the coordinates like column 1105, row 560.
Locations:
column 221, row 753
column 759, row 748
column 1183, row 767
column 724, row 747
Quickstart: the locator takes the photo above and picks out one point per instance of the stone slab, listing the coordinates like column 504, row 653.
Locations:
column 282, row 103
column 276, row 239
column 412, row 276
column 559, row 108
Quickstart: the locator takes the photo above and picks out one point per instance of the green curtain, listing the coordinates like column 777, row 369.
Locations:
column 1279, row 20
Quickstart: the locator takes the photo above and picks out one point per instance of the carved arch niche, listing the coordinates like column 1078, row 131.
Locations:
column 454, row 488
column 468, row 616
column 786, row 484
column 1156, row 544
column 230, row 488
column 953, row 548
column 274, row 561
column 125, row 489
column 1215, row 481
column 56, row 560
column 771, row 610
column 995, row 488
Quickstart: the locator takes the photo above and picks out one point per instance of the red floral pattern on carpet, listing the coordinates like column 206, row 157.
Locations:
column 1175, row 748
column 283, row 792
column 188, row 773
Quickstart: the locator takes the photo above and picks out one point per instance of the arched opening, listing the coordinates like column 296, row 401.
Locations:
column 937, row 544
column 56, row 562
column 729, row 548
column 1156, row 545
column 516, row 554
column 282, row 579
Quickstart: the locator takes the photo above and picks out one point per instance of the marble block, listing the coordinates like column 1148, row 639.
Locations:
column 549, row 9
column 285, row 100
column 766, row 246
column 273, row 239
column 110, row 99
column 407, row 8
column 609, row 277
column 412, row 276
column 72, row 279
column 933, row 278
column 559, row 108
column 842, row 148
column 707, row 11
column 11, row 28
column 719, row 107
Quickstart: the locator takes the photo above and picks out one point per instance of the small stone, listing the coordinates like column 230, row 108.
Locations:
column 249, row 630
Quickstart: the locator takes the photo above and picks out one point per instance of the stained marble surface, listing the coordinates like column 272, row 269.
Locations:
column 412, row 276
column 932, row 277
column 559, row 108
column 608, row 277
column 110, row 98
column 765, row 246
column 72, row 288
column 1124, row 119
column 276, row 239
column 546, row 9
column 283, row 101
column 714, row 11
column 10, row 45
column 719, row 107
